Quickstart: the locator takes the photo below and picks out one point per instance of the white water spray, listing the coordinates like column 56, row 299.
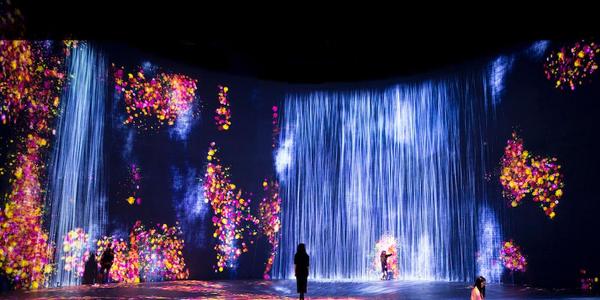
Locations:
column 77, row 193
column 408, row 161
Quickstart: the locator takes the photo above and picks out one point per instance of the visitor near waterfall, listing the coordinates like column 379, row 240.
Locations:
column 478, row 291
column 301, row 269
column 90, row 273
column 384, row 266
column 105, row 263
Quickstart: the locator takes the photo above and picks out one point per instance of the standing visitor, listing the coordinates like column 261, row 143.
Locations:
column 384, row 268
column 478, row 291
column 301, row 269
column 90, row 272
column 105, row 263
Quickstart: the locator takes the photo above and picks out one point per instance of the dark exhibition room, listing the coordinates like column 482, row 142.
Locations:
column 182, row 157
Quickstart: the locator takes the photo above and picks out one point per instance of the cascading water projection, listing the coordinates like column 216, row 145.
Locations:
column 77, row 192
column 407, row 161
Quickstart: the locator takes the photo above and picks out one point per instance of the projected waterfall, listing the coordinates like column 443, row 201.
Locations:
column 489, row 244
column 406, row 161
column 76, row 187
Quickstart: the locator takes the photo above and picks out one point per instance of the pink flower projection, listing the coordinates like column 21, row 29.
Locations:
column 232, row 218
column 572, row 66
column 30, row 85
column 75, row 250
column 512, row 258
column 153, row 254
column 270, row 205
column 126, row 264
column 223, row 112
column 523, row 173
column 160, row 252
column 153, row 102
column 25, row 255
column 270, row 221
column 31, row 80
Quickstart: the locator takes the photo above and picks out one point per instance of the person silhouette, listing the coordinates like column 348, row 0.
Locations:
column 301, row 262
column 384, row 267
column 105, row 263
column 90, row 271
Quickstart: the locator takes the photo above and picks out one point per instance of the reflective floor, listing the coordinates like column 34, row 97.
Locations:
column 285, row 289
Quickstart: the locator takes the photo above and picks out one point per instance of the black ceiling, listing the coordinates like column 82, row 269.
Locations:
column 296, row 49
column 323, row 59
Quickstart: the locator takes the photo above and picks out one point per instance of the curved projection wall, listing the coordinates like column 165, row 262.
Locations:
column 486, row 169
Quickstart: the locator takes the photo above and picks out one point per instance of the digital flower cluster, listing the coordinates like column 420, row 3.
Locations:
column 270, row 221
column 523, row 173
column 25, row 255
column 232, row 219
column 571, row 66
column 152, row 102
column 31, row 79
column 30, row 84
column 512, row 258
column 223, row 112
column 126, row 264
column 153, row 254
column 160, row 252
column 75, row 251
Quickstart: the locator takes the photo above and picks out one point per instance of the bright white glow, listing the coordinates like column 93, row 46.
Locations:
column 189, row 204
column 147, row 66
column 424, row 257
column 183, row 125
column 489, row 245
column 404, row 119
column 283, row 157
column 499, row 69
column 538, row 49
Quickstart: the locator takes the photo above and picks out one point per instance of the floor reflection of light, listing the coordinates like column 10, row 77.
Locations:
column 286, row 289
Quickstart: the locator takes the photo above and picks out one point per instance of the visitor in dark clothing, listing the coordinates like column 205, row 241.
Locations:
column 105, row 263
column 301, row 269
column 90, row 272
column 384, row 267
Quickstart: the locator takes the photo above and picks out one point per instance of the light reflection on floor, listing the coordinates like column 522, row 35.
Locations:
column 285, row 289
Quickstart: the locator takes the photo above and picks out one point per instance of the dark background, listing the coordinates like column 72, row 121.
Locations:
column 562, row 124
column 307, row 43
